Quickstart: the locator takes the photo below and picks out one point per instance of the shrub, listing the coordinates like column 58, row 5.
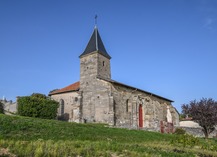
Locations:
column 185, row 140
column 209, row 144
column 179, row 131
column 37, row 106
column 1, row 107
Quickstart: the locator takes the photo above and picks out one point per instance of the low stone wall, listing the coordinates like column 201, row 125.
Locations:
column 9, row 106
column 197, row 132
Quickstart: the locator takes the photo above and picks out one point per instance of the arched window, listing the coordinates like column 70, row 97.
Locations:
column 127, row 105
column 61, row 107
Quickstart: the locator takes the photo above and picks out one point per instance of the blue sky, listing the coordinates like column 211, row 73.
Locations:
column 165, row 47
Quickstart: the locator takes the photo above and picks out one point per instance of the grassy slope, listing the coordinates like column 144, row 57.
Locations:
column 38, row 137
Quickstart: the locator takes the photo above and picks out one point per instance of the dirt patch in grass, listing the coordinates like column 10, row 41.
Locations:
column 5, row 153
column 178, row 151
column 204, row 155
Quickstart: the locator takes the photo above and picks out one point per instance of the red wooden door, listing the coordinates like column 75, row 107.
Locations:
column 161, row 126
column 140, row 116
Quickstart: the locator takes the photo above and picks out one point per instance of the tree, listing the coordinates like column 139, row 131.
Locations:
column 1, row 107
column 37, row 105
column 185, row 110
column 39, row 95
column 53, row 90
column 204, row 112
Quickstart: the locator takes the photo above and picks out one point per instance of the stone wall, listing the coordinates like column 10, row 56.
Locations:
column 97, row 104
column 71, row 106
column 126, row 106
column 104, row 69
column 195, row 129
column 175, row 116
column 197, row 132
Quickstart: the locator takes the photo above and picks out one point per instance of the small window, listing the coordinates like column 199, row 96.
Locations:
column 103, row 63
column 127, row 105
column 76, row 99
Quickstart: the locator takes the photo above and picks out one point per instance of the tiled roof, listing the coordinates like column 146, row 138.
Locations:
column 95, row 44
column 118, row 83
column 73, row 87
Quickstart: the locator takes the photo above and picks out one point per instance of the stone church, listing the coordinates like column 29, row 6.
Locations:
column 98, row 98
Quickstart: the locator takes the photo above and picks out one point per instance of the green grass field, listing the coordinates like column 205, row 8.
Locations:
column 24, row 136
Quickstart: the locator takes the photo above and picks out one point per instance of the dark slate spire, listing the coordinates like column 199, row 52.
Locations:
column 95, row 44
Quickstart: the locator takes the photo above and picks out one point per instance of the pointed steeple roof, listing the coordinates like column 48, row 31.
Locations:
column 95, row 44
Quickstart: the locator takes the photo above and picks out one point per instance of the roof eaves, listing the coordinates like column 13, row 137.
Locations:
column 54, row 93
column 86, row 54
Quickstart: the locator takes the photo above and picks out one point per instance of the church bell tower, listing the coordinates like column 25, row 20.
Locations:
column 94, row 64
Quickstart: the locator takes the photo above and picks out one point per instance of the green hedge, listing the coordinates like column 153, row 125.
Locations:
column 39, row 107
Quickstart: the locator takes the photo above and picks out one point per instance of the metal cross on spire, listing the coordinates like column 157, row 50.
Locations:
column 96, row 20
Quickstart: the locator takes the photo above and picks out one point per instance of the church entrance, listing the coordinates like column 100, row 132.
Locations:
column 140, row 116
